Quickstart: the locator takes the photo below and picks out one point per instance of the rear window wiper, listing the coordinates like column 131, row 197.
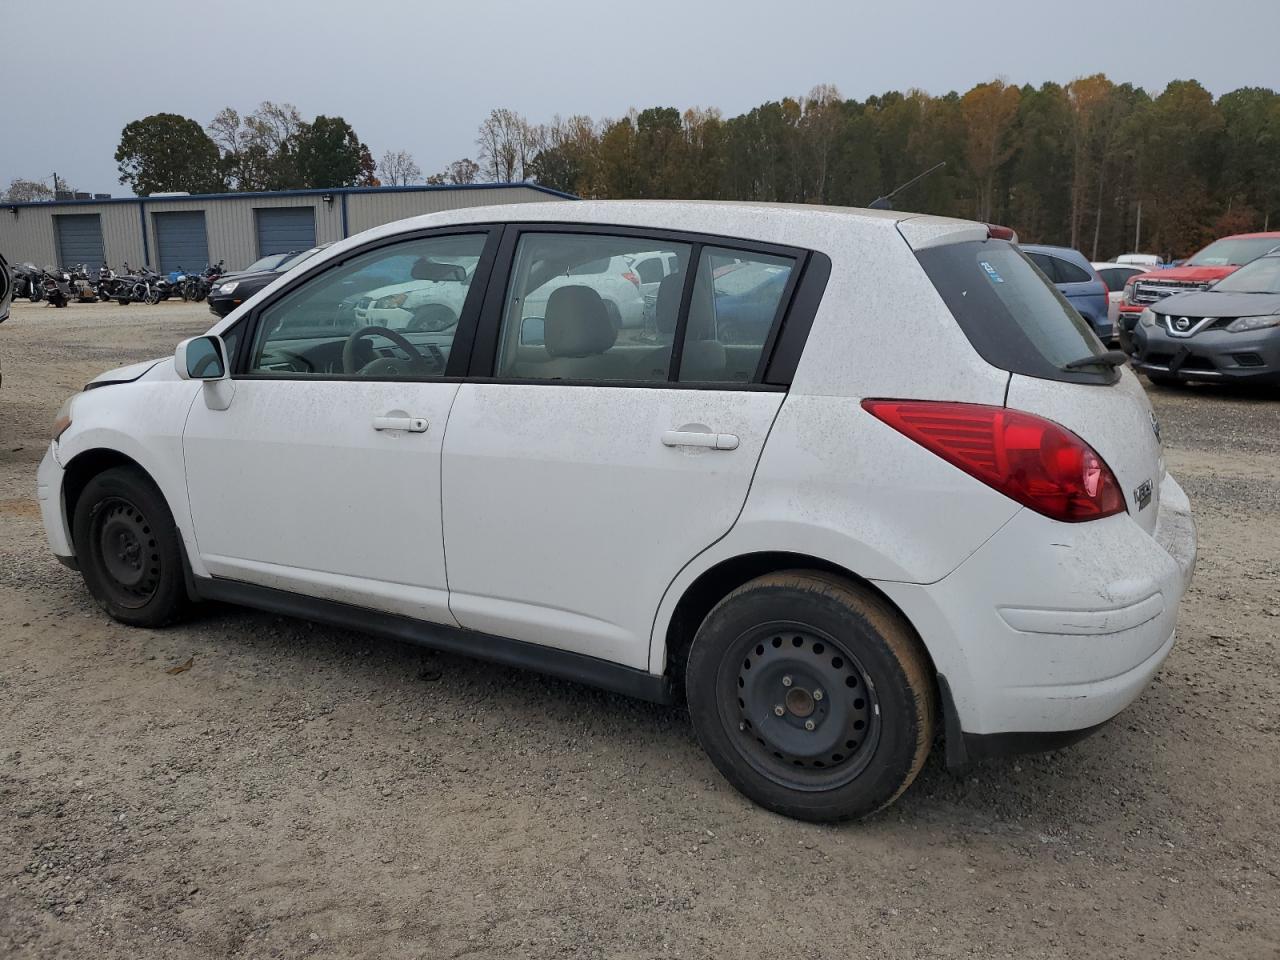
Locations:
column 1112, row 358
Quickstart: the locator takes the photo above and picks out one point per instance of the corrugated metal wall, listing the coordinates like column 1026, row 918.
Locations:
column 365, row 210
column 27, row 232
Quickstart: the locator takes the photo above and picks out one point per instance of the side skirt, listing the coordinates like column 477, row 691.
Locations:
column 577, row 667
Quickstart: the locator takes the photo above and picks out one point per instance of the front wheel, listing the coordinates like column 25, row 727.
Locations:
column 811, row 695
column 128, row 548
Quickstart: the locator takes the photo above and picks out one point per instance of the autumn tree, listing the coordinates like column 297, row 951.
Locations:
column 167, row 152
column 990, row 111
column 26, row 191
column 327, row 153
column 508, row 143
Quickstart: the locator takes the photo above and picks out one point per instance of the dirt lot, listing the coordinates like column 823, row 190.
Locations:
column 302, row 791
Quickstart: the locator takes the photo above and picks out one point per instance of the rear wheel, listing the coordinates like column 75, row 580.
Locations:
column 128, row 548
column 811, row 695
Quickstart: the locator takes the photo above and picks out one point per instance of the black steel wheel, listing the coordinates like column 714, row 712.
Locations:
column 812, row 695
column 129, row 549
column 805, row 709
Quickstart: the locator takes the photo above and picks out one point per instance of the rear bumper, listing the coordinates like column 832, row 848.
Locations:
column 1049, row 629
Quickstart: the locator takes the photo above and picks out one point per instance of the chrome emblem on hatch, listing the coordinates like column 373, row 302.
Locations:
column 1142, row 494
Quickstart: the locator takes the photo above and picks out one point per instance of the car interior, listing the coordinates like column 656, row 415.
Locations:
column 577, row 340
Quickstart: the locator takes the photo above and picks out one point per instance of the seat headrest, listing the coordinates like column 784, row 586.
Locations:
column 424, row 269
column 667, row 308
column 576, row 323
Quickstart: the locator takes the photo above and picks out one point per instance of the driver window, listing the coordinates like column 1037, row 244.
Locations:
column 388, row 314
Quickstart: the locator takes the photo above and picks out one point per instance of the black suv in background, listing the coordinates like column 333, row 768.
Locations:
column 234, row 289
column 6, row 289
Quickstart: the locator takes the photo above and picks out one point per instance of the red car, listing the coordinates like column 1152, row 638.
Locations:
column 1217, row 260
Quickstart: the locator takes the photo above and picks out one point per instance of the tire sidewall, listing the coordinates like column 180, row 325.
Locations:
column 133, row 486
column 894, row 761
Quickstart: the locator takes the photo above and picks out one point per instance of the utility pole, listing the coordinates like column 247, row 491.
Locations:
column 1137, row 231
column 55, row 184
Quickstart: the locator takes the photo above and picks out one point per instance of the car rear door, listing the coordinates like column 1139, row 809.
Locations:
column 584, row 465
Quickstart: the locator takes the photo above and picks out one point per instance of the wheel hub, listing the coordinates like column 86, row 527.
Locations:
column 804, row 701
column 129, row 554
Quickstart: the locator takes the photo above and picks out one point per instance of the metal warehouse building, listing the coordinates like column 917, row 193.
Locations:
column 190, row 231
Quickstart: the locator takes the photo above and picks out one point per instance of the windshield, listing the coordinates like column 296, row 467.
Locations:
column 1260, row 276
column 1233, row 251
column 1012, row 314
column 269, row 262
column 293, row 259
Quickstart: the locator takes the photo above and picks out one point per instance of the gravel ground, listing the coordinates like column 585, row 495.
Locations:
column 302, row 791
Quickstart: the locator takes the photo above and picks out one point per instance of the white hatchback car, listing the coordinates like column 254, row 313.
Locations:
column 923, row 500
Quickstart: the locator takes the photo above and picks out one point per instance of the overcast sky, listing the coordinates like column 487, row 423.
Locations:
column 420, row 76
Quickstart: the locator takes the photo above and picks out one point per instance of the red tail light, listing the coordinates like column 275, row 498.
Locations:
column 1034, row 461
column 628, row 275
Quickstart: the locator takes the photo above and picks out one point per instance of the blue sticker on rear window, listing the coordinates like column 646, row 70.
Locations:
column 991, row 272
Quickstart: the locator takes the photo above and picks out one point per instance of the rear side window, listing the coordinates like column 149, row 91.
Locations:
column 1014, row 319
column 1069, row 273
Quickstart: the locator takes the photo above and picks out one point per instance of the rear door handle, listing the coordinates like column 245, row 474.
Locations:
column 408, row 424
column 691, row 438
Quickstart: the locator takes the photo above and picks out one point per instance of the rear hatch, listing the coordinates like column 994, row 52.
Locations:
column 1019, row 322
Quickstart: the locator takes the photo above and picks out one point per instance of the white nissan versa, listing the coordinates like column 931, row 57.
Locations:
column 923, row 499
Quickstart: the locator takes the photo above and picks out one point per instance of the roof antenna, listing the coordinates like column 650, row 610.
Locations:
column 885, row 202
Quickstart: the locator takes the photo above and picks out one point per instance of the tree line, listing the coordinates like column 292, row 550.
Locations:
column 1096, row 165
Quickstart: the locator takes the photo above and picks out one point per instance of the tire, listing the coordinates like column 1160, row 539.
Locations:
column 805, row 633
column 615, row 315
column 129, row 549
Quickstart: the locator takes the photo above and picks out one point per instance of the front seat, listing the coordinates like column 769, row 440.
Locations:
column 576, row 331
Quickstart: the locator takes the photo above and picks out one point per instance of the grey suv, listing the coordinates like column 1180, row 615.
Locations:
column 1228, row 332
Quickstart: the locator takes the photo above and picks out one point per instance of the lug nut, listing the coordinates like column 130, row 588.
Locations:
column 742, row 724
column 786, row 681
column 808, row 724
column 817, row 694
column 779, row 710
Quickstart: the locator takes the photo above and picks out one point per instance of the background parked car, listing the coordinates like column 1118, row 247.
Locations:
column 1115, row 276
column 1076, row 279
column 1219, row 259
column 614, row 278
column 235, row 288
column 1230, row 332
column 6, row 290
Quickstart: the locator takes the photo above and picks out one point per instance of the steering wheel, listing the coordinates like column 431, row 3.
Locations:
column 417, row 364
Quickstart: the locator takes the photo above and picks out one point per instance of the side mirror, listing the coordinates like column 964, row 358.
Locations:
column 533, row 332
column 201, row 358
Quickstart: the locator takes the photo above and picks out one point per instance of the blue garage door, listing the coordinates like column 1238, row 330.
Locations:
column 181, row 240
column 79, row 239
column 285, row 229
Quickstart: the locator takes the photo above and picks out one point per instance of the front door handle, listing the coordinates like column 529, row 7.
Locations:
column 408, row 424
column 692, row 438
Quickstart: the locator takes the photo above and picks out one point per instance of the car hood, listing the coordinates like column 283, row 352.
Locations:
column 267, row 275
column 1201, row 274
column 126, row 374
column 1211, row 303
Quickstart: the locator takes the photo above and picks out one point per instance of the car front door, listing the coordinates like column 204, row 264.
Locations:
column 321, row 476
column 584, row 465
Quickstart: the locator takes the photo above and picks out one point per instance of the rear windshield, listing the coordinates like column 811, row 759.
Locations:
column 1012, row 314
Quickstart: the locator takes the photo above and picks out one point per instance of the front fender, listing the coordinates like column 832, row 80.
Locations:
column 143, row 421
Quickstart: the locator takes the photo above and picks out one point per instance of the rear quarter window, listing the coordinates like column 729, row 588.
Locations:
column 1014, row 317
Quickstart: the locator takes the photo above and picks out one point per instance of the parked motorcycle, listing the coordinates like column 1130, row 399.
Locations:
column 57, row 288
column 82, row 284
column 106, row 285
column 196, row 287
column 27, row 282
